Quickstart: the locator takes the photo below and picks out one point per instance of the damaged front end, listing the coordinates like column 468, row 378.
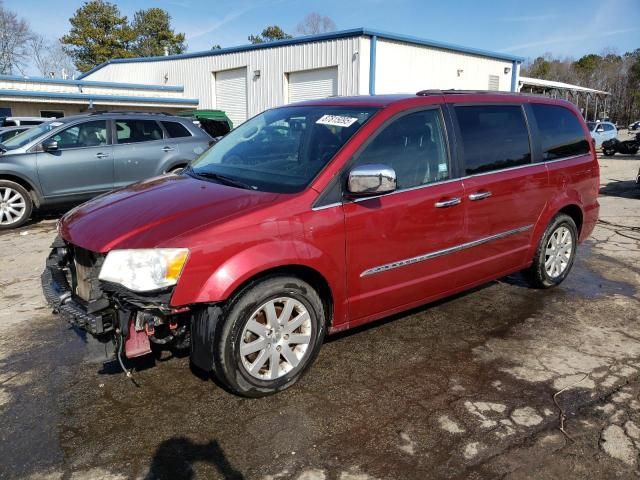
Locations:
column 133, row 321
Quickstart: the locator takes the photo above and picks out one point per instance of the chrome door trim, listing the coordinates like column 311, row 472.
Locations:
column 445, row 251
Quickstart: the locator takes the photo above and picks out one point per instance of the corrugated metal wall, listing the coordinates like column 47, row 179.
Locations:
column 406, row 68
column 264, row 91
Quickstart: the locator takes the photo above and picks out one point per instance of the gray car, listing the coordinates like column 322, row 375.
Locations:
column 71, row 159
column 10, row 132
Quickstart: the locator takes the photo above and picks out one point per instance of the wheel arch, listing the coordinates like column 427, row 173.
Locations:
column 24, row 183
column 305, row 273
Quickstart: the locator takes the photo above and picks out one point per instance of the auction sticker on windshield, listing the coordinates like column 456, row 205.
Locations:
column 336, row 120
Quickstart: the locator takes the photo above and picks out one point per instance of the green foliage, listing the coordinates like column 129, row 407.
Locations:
column 153, row 33
column 269, row 34
column 99, row 32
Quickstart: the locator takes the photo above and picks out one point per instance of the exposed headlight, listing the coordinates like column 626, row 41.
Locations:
column 143, row 270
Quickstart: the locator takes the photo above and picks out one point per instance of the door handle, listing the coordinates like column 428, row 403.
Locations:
column 168, row 149
column 102, row 155
column 479, row 195
column 448, row 203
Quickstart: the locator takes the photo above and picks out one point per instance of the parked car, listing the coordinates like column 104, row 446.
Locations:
column 602, row 131
column 10, row 132
column 17, row 121
column 634, row 126
column 72, row 159
column 214, row 122
column 389, row 202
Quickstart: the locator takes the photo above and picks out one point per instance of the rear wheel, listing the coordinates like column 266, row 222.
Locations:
column 15, row 205
column 272, row 333
column 555, row 254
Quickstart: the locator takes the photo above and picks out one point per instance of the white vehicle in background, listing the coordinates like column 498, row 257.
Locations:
column 602, row 131
column 19, row 121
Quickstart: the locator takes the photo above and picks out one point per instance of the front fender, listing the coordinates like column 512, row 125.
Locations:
column 19, row 171
column 236, row 270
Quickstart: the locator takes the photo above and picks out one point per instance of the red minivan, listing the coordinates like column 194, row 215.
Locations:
column 324, row 215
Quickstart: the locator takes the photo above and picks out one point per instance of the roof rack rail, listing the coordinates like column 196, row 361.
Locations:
column 453, row 91
column 129, row 112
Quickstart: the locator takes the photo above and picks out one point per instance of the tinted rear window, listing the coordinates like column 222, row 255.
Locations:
column 560, row 132
column 493, row 137
column 176, row 130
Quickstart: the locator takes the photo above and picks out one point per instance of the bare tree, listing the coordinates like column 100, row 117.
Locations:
column 315, row 23
column 50, row 58
column 14, row 39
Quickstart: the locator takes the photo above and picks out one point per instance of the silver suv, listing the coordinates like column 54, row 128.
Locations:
column 71, row 159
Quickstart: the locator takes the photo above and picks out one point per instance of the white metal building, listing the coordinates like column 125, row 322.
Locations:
column 48, row 97
column 246, row 80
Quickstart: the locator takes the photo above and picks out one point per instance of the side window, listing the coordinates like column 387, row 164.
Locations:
column 136, row 131
column 493, row 137
column 560, row 131
column 88, row 134
column 414, row 146
column 176, row 130
column 608, row 127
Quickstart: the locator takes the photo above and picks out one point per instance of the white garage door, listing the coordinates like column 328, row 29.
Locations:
column 312, row 84
column 231, row 94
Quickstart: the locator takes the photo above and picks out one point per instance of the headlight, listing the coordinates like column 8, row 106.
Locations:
column 144, row 270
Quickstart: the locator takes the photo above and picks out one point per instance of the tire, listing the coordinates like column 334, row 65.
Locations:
column 543, row 275
column 609, row 152
column 16, row 205
column 246, row 327
column 176, row 170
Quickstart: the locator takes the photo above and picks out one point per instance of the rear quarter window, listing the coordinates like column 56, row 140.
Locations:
column 560, row 131
column 176, row 130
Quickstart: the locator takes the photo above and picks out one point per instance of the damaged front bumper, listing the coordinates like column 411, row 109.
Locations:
column 72, row 289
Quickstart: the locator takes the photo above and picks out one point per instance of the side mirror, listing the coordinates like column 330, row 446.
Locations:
column 599, row 129
column 50, row 145
column 372, row 179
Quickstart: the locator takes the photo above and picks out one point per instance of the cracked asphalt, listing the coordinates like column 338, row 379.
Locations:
column 500, row 382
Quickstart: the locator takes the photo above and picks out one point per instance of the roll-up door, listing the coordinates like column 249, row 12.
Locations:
column 231, row 94
column 312, row 84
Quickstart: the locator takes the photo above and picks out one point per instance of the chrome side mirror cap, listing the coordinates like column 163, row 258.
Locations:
column 371, row 179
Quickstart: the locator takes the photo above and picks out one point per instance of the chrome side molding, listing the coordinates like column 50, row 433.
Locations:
column 445, row 251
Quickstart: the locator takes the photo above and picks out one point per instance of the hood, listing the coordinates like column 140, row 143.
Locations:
column 150, row 213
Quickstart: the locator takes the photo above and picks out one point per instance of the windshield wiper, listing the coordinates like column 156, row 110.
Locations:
column 222, row 179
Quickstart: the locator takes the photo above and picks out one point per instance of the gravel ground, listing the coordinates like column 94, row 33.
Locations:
column 471, row 387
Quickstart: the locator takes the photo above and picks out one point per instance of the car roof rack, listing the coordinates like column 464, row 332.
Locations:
column 128, row 112
column 453, row 91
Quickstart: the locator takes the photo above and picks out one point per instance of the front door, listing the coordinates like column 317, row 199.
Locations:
column 504, row 192
column 139, row 150
column 82, row 166
column 399, row 244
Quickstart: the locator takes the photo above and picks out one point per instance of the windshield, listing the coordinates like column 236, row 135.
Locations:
column 591, row 126
column 281, row 150
column 31, row 134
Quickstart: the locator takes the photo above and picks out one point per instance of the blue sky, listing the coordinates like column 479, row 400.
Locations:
column 525, row 28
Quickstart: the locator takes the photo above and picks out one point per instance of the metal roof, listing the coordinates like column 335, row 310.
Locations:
column 90, row 83
column 99, row 97
column 539, row 82
column 355, row 32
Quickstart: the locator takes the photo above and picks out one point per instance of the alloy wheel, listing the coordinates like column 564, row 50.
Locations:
column 276, row 338
column 12, row 206
column 558, row 252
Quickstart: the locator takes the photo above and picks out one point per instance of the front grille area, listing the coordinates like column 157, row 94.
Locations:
column 85, row 268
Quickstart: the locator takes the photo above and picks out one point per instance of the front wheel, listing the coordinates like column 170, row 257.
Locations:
column 555, row 254
column 609, row 152
column 15, row 205
column 272, row 333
